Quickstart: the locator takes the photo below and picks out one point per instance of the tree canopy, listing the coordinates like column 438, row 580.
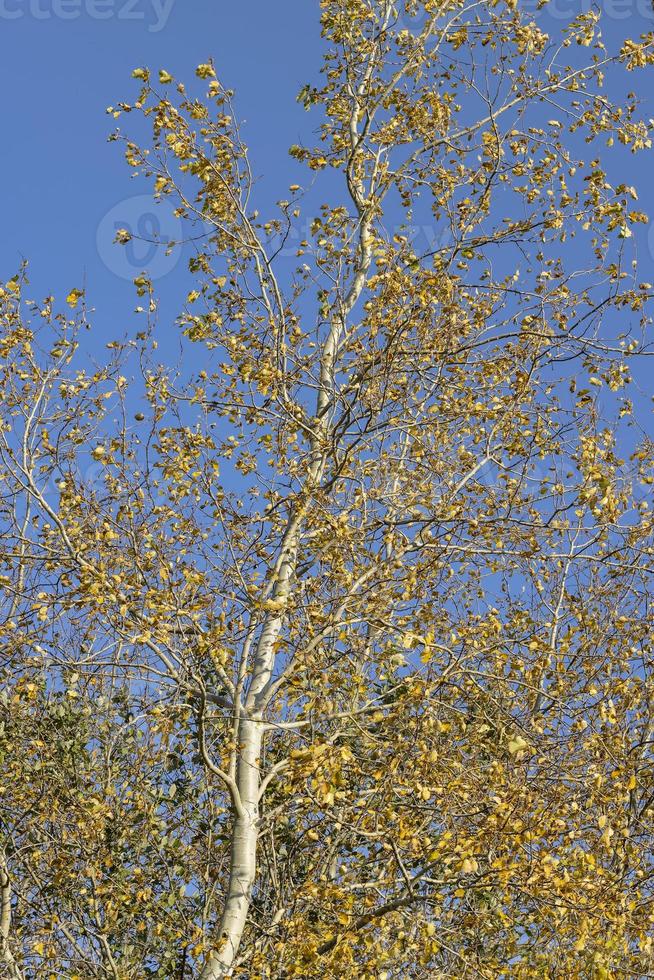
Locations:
column 333, row 659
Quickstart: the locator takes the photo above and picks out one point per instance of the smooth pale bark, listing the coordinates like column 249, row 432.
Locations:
column 243, row 862
column 6, row 956
column 245, row 833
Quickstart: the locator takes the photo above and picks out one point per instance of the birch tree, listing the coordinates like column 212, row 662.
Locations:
column 327, row 649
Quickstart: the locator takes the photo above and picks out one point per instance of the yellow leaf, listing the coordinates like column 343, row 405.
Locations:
column 205, row 71
column 517, row 744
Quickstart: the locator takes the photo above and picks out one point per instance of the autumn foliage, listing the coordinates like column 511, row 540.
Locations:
column 333, row 659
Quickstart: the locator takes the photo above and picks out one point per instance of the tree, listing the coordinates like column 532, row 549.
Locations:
column 341, row 665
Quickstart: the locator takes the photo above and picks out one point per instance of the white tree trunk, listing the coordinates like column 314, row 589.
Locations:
column 243, row 862
column 6, row 956
column 245, row 832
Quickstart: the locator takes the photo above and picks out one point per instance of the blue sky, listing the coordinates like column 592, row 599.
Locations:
column 59, row 176
column 64, row 190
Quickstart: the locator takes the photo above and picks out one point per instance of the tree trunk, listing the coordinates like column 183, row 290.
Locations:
column 243, row 862
column 6, row 956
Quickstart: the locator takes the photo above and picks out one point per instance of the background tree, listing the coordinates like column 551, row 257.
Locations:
column 341, row 666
